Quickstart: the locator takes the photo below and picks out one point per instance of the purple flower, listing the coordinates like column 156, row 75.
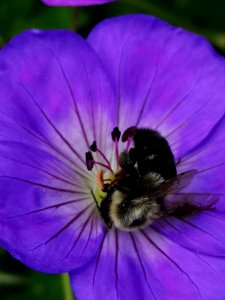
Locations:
column 59, row 93
column 75, row 2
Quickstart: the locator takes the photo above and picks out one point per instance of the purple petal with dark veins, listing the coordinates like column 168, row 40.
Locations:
column 208, row 158
column 53, row 95
column 165, row 78
column 201, row 233
column 147, row 265
column 205, row 231
column 46, row 214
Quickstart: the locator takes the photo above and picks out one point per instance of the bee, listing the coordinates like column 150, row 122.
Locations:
column 148, row 174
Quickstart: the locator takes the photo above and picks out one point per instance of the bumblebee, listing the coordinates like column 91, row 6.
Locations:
column 147, row 175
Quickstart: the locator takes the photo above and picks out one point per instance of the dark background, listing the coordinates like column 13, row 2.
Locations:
column 205, row 17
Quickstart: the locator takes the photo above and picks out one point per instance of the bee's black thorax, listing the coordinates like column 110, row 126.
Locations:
column 153, row 154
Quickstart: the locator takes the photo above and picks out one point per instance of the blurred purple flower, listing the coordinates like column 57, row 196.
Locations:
column 75, row 2
column 58, row 94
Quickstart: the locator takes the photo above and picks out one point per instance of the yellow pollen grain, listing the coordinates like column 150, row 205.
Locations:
column 99, row 195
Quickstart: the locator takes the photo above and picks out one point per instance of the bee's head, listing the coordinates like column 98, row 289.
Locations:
column 129, row 214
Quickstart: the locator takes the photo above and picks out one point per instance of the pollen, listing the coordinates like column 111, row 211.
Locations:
column 103, row 181
column 99, row 179
column 99, row 195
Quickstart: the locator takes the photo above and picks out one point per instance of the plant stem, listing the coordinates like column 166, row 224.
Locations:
column 67, row 291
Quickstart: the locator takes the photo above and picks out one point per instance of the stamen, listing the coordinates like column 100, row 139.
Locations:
column 128, row 133
column 117, row 152
column 103, row 165
column 128, row 144
column 116, row 133
column 94, row 148
column 126, row 136
column 89, row 160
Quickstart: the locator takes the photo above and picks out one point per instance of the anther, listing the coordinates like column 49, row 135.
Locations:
column 128, row 133
column 93, row 147
column 116, row 133
column 89, row 160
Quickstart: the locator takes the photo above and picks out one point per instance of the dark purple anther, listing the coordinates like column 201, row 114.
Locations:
column 116, row 133
column 89, row 160
column 129, row 132
column 93, row 147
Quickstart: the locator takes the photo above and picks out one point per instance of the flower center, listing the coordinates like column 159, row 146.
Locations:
column 134, row 195
column 106, row 177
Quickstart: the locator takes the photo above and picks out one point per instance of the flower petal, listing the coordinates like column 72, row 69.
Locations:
column 47, row 218
column 147, row 265
column 177, row 83
column 75, row 2
column 58, row 98
column 203, row 232
column 207, row 188
column 51, row 109
column 208, row 158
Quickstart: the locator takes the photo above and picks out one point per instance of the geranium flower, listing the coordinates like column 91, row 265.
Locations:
column 75, row 2
column 59, row 93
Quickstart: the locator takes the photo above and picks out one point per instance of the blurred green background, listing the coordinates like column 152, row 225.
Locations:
column 205, row 17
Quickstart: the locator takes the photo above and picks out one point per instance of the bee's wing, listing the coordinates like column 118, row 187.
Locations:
column 170, row 186
column 183, row 203
column 191, row 201
column 176, row 184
